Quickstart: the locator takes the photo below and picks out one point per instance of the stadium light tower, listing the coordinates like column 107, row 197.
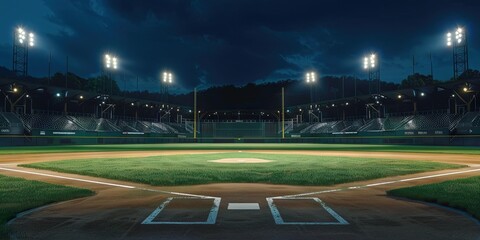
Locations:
column 111, row 64
column 167, row 80
column 311, row 78
column 371, row 64
column 460, row 51
column 22, row 41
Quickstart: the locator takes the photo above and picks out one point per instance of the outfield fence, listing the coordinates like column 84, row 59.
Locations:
column 438, row 140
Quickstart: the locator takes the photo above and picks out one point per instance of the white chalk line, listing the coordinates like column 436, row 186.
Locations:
column 105, row 183
column 211, row 219
column 277, row 217
column 376, row 184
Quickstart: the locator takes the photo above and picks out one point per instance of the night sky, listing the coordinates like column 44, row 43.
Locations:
column 218, row 42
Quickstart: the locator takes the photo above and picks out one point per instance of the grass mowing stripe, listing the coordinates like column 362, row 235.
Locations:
column 285, row 169
column 242, row 146
column 461, row 194
column 18, row 195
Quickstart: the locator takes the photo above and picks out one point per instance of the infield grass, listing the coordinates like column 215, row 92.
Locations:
column 285, row 169
column 18, row 195
column 463, row 194
column 240, row 146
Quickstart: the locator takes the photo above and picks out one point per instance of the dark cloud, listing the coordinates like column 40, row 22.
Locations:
column 216, row 42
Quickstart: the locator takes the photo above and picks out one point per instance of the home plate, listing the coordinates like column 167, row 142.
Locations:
column 243, row 206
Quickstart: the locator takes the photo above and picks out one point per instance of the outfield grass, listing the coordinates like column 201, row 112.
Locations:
column 463, row 194
column 18, row 195
column 196, row 169
column 241, row 146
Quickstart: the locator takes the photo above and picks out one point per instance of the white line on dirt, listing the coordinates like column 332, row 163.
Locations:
column 378, row 184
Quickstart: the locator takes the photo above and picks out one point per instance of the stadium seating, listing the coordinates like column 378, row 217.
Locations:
column 468, row 120
column 353, row 126
column 4, row 122
column 384, row 124
column 11, row 119
column 84, row 123
column 393, row 123
column 49, row 122
column 425, row 122
column 476, row 121
column 179, row 127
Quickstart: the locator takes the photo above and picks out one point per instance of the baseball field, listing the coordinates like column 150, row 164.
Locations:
column 236, row 191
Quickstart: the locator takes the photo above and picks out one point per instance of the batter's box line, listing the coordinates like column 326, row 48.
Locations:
column 279, row 220
column 211, row 219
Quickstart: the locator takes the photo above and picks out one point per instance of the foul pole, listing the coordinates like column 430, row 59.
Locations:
column 283, row 112
column 195, row 113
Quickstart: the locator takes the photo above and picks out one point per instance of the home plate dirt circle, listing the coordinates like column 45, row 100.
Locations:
column 241, row 160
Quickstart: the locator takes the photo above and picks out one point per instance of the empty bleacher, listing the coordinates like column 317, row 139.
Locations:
column 425, row 122
column 468, row 120
column 392, row 123
column 49, row 122
column 4, row 122
column 84, row 123
column 476, row 121
column 397, row 123
column 352, row 126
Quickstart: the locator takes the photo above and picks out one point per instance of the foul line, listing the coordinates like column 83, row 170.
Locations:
column 104, row 183
column 375, row 184
column 280, row 221
column 211, row 219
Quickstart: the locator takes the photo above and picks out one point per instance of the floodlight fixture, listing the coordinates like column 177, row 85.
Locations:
column 372, row 66
column 31, row 39
column 310, row 77
column 399, row 96
column 370, row 62
column 457, row 40
column 167, row 77
column 23, row 40
column 459, row 35
column 449, row 39
column 111, row 61
column 422, row 94
column 465, row 89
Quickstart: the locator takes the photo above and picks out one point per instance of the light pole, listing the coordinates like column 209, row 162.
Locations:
column 111, row 64
column 311, row 78
column 370, row 64
column 21, row 43
column 460, row 51
column 167, row 80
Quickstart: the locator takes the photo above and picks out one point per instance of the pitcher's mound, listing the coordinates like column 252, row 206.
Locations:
column 241, row 160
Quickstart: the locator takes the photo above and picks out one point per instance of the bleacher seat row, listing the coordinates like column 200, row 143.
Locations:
column 405, row 123
column 73, row 123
